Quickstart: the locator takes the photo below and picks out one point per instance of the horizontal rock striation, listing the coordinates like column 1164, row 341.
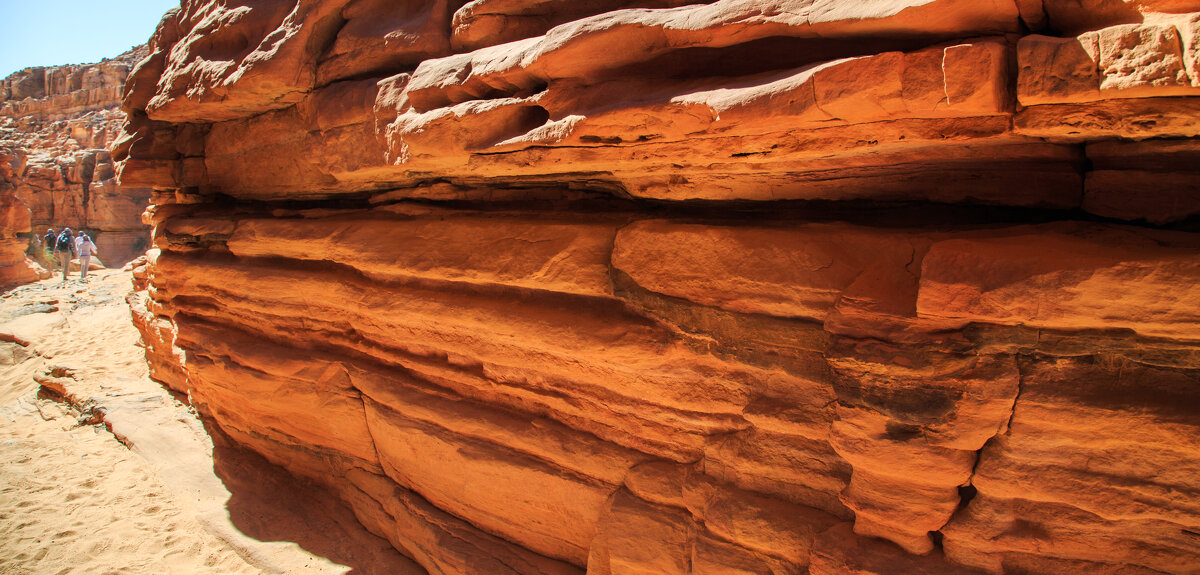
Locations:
column 62, row 92
column 722, row 287
column 57, row 123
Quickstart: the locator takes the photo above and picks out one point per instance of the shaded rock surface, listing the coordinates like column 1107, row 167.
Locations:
column 15, row 268
column 723, row 287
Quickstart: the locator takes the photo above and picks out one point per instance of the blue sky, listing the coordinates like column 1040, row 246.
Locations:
column 53, row 32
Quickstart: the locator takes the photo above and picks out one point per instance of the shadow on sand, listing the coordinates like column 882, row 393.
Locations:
column 269, row 504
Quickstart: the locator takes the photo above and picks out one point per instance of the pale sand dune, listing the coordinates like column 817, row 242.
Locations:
column 73, row 499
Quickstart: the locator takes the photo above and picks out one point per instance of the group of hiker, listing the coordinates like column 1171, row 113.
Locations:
column 60, row 247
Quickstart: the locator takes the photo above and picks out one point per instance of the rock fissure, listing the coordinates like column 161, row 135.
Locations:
column 1013, row 410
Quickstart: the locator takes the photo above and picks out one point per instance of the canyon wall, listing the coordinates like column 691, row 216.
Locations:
column 15, row 268
column 622, row 286
column 56, row 124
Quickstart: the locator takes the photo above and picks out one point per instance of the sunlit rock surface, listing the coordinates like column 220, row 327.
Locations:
column 56, row 125
column 539, row 286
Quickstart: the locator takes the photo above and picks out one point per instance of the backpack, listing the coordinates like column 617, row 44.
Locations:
column 63, row 244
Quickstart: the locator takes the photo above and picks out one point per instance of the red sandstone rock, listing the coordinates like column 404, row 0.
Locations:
column 1128, row 61
column 534, row 286
column 439, row 541
column 574, row 257
column 230, row 61
column 1073, row 16
column 481, row 23
column 378, row 36
column 15, row 268
column 1132, row 281
column 1075, row 420
column 786, row 272
column 1151, row 180
column 1134, row 119
column 1058, row 70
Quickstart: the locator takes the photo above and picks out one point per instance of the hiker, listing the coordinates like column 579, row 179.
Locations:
column 48, row 247
column 64, row 245
column 85, row 248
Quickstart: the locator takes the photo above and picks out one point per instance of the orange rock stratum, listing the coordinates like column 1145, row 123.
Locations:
column 729, row 287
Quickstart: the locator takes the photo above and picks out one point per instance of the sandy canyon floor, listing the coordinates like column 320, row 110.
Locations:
column 103, row 471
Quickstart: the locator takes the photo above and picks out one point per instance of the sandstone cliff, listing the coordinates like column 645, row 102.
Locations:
column 15, row 268
column 619, row 286
column 56, row 124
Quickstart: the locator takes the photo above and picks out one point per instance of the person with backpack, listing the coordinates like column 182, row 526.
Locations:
column 64, row 246
column 48, row 247
column 85, row 248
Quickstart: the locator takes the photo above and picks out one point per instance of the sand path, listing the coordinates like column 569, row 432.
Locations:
column 154, row 494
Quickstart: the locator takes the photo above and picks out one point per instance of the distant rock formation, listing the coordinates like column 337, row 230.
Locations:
column 56, row 124
column 761, row 287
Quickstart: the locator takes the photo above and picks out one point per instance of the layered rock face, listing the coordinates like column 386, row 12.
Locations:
column 56, row 124
column 729, row 287
column 15, row 268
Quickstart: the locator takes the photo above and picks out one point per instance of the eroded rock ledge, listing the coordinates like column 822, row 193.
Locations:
column 726, row 287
